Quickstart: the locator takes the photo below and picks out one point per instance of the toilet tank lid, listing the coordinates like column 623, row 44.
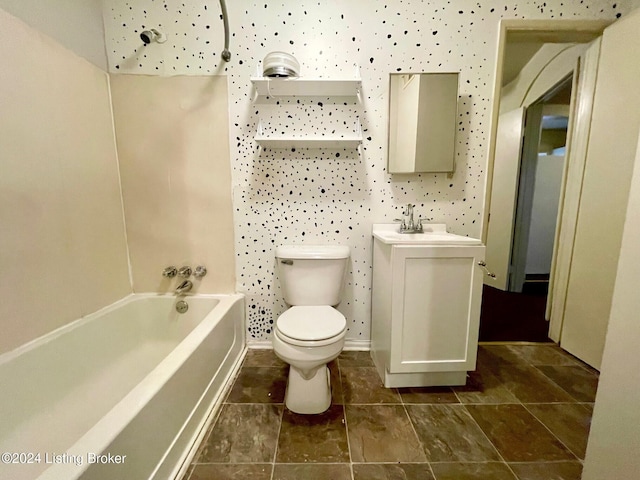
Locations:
column 312, row 251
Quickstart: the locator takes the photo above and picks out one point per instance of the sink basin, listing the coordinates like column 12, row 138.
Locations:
column 434, row 234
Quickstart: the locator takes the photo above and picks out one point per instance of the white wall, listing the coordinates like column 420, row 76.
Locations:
column 544, row 213
column 76, row 24
column 62, row 247
column 316, row 196
column 614, row 441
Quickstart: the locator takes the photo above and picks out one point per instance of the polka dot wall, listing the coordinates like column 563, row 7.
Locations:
column 324, row 196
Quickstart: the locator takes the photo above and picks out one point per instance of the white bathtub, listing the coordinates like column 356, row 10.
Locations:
column 134, row 383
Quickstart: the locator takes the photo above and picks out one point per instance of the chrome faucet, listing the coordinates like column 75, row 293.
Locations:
column 184, row 272
column 170, row 272
column 407, row 224
column 184, row 287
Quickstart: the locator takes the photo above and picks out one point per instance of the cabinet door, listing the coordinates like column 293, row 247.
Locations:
column 435, row 308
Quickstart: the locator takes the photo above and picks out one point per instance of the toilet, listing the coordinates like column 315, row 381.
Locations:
column 310, row 333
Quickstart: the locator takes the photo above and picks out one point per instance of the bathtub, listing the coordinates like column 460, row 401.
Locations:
column 125, row 393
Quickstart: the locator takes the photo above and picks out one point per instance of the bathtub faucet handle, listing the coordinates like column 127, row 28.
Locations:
column 200, row 271
column 185, row 271
column 170, row 272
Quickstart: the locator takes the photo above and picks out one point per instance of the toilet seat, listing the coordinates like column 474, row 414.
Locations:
column 311, row 325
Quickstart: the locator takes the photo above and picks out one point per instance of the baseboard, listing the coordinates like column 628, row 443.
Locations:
column 357, row 345
column 349, row 345
column 260, row 344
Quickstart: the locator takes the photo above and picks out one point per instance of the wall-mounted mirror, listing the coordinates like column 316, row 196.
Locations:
column 422, row 122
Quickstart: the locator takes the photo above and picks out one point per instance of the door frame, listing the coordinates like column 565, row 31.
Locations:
column 547, row 31
column 560, row 31
column 527, row 181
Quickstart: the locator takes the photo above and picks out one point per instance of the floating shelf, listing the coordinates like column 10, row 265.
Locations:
column 309, row 142
column 284, row 87
column 302, row 86
column 346, row 140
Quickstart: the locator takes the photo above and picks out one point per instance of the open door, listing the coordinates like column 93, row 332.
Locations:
column 584, row 85
column 613, row 136
column 504, row 196
column 526, row 186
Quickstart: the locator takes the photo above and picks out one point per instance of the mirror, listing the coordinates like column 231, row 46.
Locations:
column 422, row 122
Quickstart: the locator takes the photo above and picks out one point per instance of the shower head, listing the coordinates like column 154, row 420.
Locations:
column 152, row 35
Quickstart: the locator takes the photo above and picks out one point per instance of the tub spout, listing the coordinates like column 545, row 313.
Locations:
column 184, row 287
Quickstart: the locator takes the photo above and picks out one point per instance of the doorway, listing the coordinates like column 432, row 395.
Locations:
column 517, row 312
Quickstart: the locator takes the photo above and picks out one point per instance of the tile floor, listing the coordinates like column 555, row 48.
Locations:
column 524, row 414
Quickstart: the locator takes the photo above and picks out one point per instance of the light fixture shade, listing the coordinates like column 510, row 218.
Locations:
column 280, row 64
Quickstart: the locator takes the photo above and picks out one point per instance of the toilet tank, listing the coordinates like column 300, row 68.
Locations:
column 312, row 274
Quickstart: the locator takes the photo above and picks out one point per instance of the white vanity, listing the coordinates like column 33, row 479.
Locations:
column 427, row 290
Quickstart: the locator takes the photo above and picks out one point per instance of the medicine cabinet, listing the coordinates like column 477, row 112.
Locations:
column 422, row 122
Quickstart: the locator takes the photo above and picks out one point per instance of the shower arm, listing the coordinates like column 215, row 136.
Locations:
column 226, row 54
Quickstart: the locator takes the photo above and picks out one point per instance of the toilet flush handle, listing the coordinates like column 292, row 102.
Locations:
column 287, row 261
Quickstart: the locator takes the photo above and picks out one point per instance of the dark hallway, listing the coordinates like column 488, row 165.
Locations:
column 511, row 316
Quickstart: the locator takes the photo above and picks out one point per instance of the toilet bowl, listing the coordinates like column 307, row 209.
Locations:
column 308, row 351
column 310, row 333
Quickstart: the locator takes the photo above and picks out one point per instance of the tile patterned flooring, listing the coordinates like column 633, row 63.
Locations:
column 523, row 415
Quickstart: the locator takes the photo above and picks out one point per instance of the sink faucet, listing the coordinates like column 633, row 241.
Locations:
column 408, row 225
column 408, row 212
column 184, row 287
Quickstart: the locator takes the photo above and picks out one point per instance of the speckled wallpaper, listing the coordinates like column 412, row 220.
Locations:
column 326, row 196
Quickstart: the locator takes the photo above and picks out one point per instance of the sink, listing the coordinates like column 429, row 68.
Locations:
column 433, row 234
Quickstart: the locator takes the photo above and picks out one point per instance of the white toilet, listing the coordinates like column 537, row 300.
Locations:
column 311, row 332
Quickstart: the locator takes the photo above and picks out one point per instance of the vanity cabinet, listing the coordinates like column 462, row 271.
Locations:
column 425, row 312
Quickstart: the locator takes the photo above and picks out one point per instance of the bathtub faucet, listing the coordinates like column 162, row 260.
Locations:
column 184, row 287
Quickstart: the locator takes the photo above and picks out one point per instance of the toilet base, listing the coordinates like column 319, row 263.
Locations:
column 308, row 396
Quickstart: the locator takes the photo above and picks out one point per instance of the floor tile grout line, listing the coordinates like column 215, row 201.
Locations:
column 275, row 450
column 346, row 424
column 575, row 361
column 209, row 432
column 413, row 427
column 558, row 385
column 554, row 435
column 551, row 462
column 477, row 462
column 456, row 393
column 441, row 462
column 490, row 442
